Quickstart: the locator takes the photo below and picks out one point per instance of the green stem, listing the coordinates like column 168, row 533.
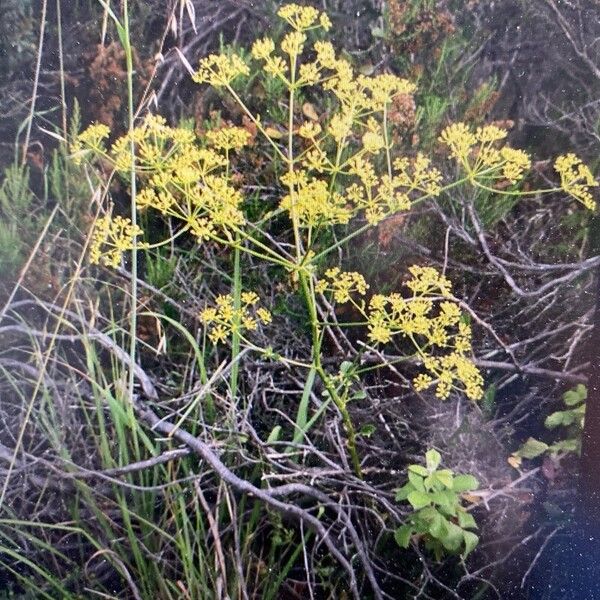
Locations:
column 309, row 297
column 237, row 302
column 126, row 40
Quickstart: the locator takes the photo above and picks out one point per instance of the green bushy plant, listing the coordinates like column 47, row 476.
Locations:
column 438, row 517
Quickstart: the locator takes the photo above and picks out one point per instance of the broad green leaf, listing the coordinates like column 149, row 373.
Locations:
column 554, row 420
column 402, row 535
column 471, row 541
column 433, row 459
column 425, row 516
column 466, row 520
column 446, row 499
column 446, row 477
column 575, row 396
column 419, row 470
column 429, row 483
column 418, row 499
column 532, row 448
column 464, row 483
column 438, row 528
column 416, row 480
column 345, row 367
column 403, row 492
column 568, row 445
column 454, row 538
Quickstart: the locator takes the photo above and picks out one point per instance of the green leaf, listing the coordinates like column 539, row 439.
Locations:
column 438, row 528
column 402, row 535
column 466, row 520
column 453, row 539
column 416, row 480
column 568, row 445
column 429, row 483
column 532, row 448
column 471, row 541
column 418, row 499
column 575, row 396
column 554, row 420
column 403, row 492
column 464, row 483
column 433, row 459
column 446, row 477
column 367, row 430
column 446, row 499
column 419, row 470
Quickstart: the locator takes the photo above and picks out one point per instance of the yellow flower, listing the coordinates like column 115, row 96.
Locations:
column 92, row 138
column 293, row 43
column 490, row 133
column 110, row 239
column 309, row 74
column 325, row 54
column 372, row 142
column 302, row 18
column 249, row 298
column 576, row 179
column 459, row 139
column 309, row 130
column 379, row 333
column 276, row 66
column 415, row 320
column 224, row 318
column 342, row 284
column 312, row 202
column 384, row 88
column 325, row 22
column 264, row 315
column 220, row 69
column 422, row 381
column 262, row 49
column 208, row 315
column 517, row 162
column 228, row 138
column 426, row 280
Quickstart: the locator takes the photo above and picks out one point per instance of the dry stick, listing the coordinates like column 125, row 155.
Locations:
column 36, row 80
column 243, row 486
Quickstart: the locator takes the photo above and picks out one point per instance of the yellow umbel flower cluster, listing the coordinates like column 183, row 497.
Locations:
column 228, row 138
column 224, row 318
column 340, row 147
column 180, row 179
column 112, row 237
column 432, row 325
column 342, row 284
column 221, row 70
column 302, row 18
column 479, row 155
column 313, row 202
column 93, row 138
column 576, row 179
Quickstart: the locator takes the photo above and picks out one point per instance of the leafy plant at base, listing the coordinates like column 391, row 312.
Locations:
column 570, row 420
column 438, row 516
